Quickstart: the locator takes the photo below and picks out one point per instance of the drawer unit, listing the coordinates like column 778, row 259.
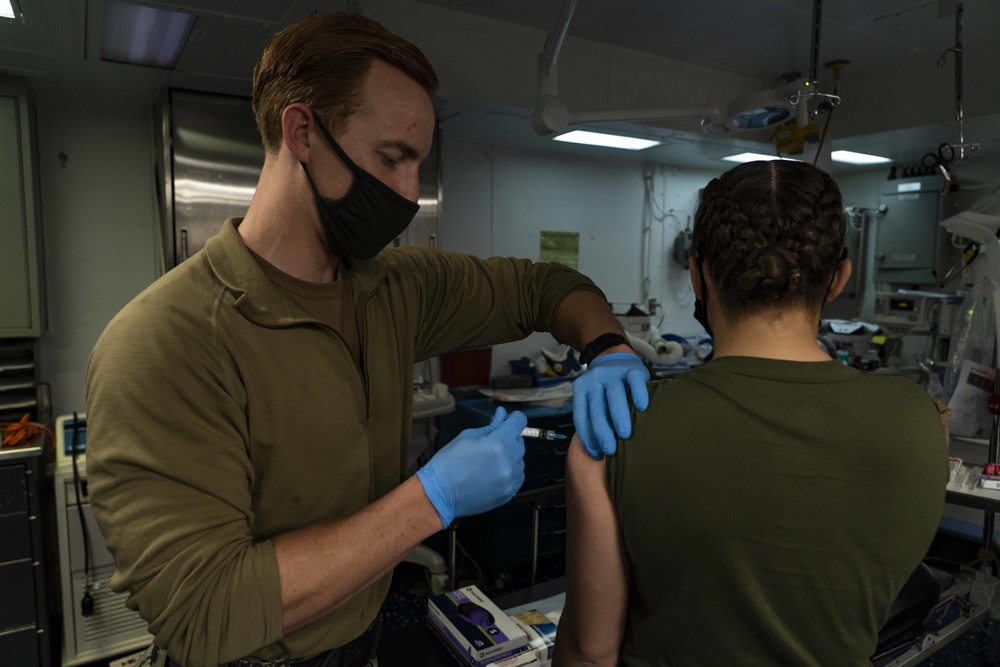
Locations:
column 533, row 525
column 20, row 391
column 502, row 539
column 24, row 623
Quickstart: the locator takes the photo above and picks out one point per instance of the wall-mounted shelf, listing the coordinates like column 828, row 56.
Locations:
column 972, row 441
column 977, row 498
column 19, row 386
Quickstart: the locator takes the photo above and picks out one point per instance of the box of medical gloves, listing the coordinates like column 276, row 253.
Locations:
column 474, row 628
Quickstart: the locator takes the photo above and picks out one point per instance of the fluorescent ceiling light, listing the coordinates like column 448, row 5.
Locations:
column 140, row 35
column 7, row 9
column 753, row 157
column 850, row 157
column 608, row 140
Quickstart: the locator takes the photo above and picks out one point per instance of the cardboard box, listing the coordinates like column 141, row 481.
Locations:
column 541, row 632
column 473, row 628
column 526, row 659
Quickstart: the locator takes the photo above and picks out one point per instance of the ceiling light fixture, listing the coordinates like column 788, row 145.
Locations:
column 606, row 140
column 550, row 116
column 8, row 9
column 850, row 157
column 754, row 157
column 140, row 35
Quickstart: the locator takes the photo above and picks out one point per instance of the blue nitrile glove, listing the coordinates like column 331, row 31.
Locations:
column 479, row 470
column 600, row 401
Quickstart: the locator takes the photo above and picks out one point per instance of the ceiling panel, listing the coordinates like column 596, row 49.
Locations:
column 727, row 34
column 764, row 38
column 226, row 46
column 267, row 11
column 47, row 28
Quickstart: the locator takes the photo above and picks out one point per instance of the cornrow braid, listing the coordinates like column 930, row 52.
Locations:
column 770, row 234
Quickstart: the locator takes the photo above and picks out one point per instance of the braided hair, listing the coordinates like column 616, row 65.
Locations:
column 771, row 234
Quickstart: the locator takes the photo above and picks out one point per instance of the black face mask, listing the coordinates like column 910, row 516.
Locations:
column 701, row 305
column 367, row 218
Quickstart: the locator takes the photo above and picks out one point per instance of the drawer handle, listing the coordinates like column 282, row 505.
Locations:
column 555, row 480
column 560, row 531
column 557, row 452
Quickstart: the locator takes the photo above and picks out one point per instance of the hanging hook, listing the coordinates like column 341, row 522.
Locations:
column 943, row 60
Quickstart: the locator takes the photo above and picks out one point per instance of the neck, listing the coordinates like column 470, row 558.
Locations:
column 282, row 224
column 788, row 334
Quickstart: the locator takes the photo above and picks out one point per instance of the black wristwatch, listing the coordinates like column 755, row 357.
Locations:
column 599, row 344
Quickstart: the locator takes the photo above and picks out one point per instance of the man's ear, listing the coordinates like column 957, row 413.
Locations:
column 296, row 121
column 695, row 278
column 840, row 279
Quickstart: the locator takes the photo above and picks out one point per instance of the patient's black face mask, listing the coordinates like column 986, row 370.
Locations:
column 368, row 217
column 701, row 305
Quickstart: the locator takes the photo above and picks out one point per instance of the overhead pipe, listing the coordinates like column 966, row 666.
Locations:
column 550, row 116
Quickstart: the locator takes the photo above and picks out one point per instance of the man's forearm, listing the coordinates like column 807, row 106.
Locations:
column 583, row 316
column 323, row 566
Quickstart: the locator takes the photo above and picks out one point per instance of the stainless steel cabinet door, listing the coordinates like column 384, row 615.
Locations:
column 20, row 315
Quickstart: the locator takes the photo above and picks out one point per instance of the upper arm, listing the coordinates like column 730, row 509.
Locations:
column 461, row 300
column 597, row 570
column 169, row 476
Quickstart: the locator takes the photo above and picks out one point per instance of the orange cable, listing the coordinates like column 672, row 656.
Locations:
column 13, row 434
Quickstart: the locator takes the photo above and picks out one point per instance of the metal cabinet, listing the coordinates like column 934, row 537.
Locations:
column 211, row 156
column 20, row 283
column 24, row 636
column 20, row 391
column 910, row 245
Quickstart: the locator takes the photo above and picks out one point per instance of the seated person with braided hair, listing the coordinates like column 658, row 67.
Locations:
column 770, row 504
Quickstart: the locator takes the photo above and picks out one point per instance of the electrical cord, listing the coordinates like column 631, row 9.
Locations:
column 651, row 212
column 15, row 434
column 826, row 126
column 87, row 601
column 468, row 556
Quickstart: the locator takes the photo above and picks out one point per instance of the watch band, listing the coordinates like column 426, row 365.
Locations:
column 599, row 344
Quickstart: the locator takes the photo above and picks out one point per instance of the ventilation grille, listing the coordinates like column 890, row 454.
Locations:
column 112, row 625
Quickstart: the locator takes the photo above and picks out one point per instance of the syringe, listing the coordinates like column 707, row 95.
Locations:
column 542, row 434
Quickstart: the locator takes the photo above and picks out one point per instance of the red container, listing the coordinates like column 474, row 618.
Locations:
column 467, row 367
